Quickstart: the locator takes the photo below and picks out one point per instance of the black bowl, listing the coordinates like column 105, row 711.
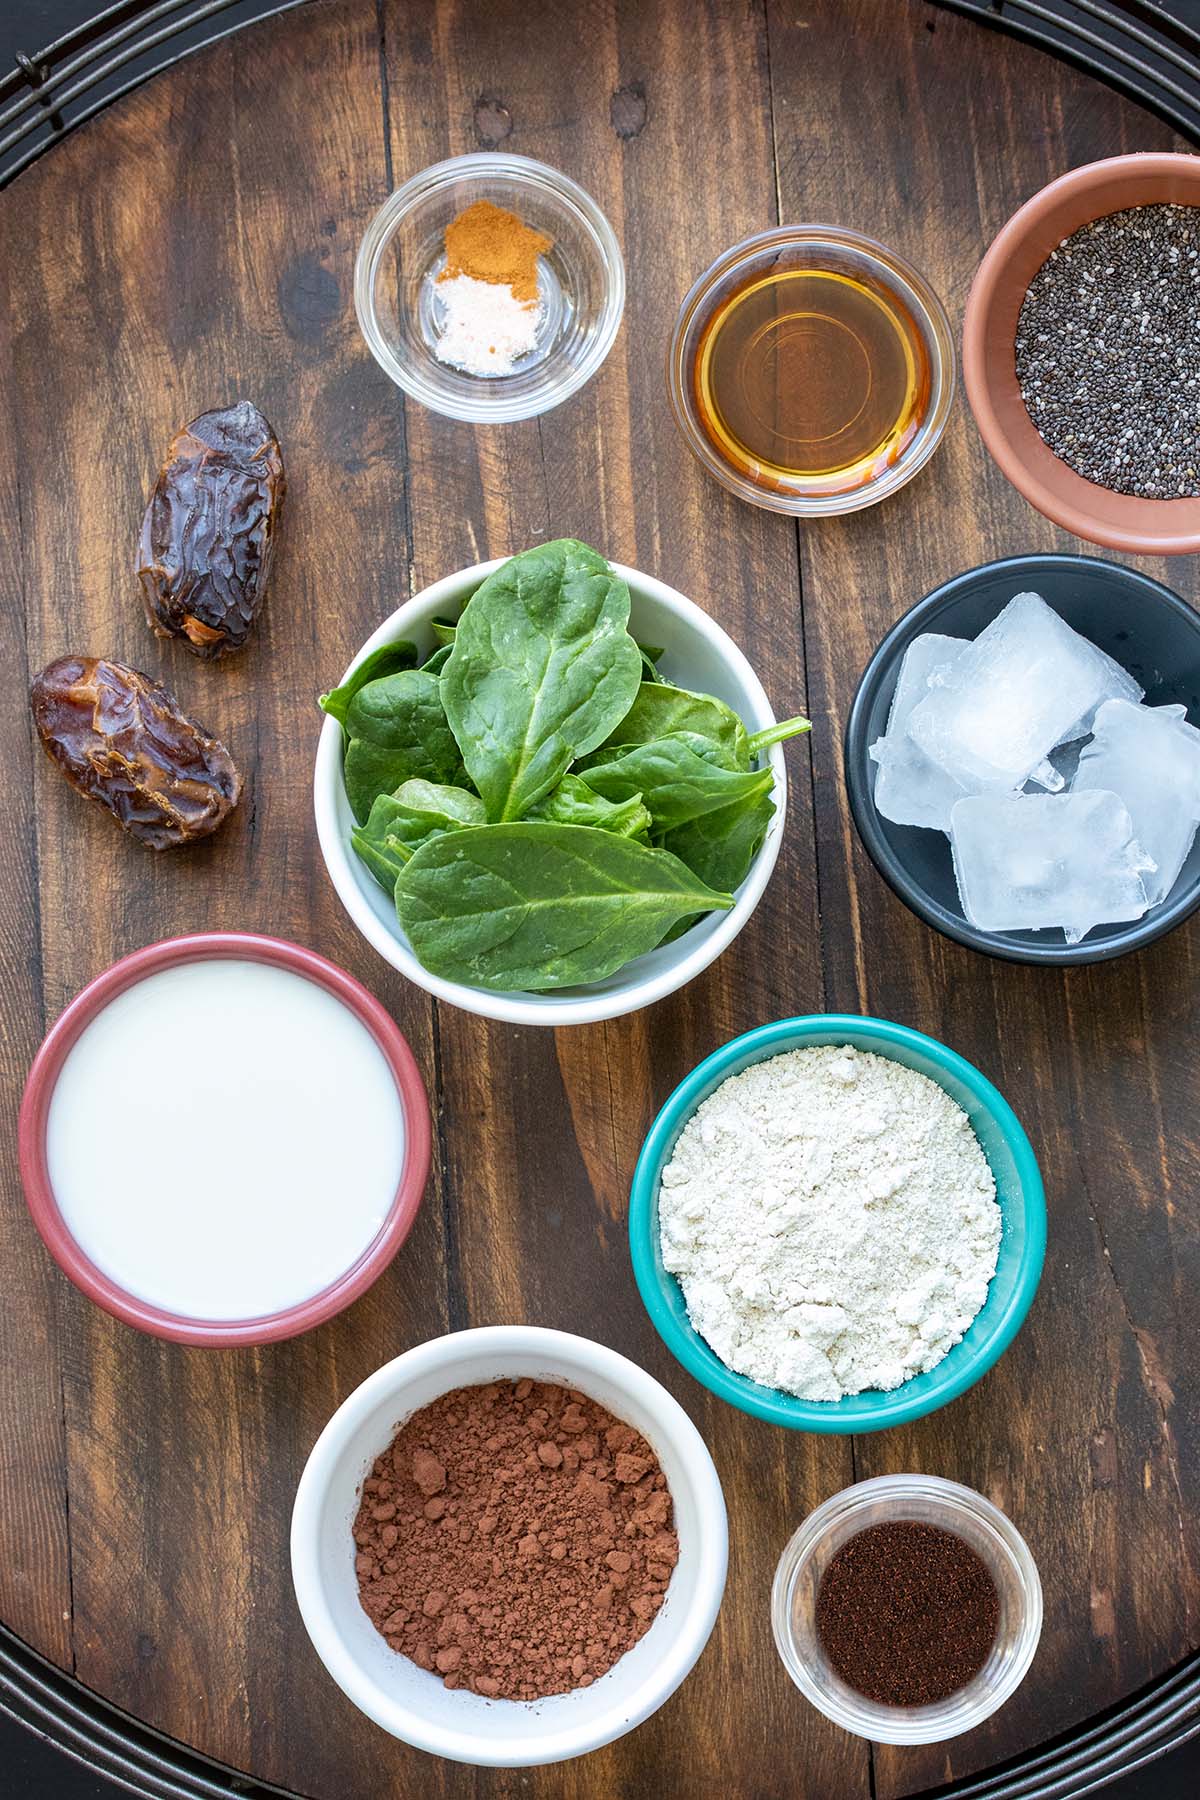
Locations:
column 1147, row 629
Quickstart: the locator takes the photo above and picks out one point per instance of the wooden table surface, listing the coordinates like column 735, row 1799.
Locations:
column 196, row 243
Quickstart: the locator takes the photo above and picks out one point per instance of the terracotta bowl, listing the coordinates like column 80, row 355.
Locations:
column 1120, row 521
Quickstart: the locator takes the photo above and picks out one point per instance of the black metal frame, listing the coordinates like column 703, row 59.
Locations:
column 1140, row 46
column 47, row 93
column 1136, row 45
column 106, row 1741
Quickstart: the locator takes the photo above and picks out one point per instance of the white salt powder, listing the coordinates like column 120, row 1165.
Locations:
column 486, row 330
column 832, row 1221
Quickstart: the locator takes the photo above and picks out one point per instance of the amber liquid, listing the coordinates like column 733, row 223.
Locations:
column 811, row 381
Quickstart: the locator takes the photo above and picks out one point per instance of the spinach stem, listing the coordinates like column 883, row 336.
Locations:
column 775, row 734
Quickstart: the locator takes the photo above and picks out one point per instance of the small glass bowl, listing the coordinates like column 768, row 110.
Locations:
column 582, row 282
column 931, row 1501
column 826, row 247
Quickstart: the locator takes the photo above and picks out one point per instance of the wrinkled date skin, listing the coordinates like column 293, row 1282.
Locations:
column 208, row 538
column 120, row 738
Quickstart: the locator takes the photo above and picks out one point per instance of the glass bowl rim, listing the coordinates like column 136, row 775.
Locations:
column 916, row 1725
column 490, row 407
column 933, row 323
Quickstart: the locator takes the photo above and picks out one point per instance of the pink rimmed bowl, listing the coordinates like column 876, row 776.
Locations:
column 39, row 1091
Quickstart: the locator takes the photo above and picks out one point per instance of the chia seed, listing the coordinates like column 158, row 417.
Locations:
column 1108, row 351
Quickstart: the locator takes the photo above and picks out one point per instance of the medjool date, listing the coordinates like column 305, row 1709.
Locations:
column 208, row 537
column 121, row 739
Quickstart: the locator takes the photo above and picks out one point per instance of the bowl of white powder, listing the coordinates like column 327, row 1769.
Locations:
column 837, row 1223
column 483, row 349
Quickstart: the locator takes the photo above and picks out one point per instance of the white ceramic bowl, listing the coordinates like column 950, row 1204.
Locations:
column 697, row 654
column 413, row 1704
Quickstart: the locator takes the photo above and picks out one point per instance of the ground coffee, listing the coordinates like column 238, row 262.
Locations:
column 907, row 1613
column 515, row 1539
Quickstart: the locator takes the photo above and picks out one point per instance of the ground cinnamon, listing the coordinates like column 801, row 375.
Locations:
column 490, row 244
column 515, row 1539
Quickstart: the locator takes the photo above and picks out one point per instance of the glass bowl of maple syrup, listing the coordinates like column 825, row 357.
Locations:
column 812, row 370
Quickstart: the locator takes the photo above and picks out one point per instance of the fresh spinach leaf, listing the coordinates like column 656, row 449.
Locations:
column 539, row 906
column 399, row 823
column 384, row 852
column 385, row 661
column 613, row 809
column 397, row 729
column 650, row 654
column 384, row 856
column 659, row 710
column 679, row 777
column 434, row 799
column 573, row 802
column 541, row 672
column 720, row 846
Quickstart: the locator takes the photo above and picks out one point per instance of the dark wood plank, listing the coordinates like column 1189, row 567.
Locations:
column 34, row 1554
column 1078, row 1432
column 208, row 253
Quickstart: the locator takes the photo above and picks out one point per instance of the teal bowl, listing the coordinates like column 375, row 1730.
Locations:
column 1019, row 1192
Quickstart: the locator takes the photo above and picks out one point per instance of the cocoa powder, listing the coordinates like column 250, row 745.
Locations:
column 515, row 1539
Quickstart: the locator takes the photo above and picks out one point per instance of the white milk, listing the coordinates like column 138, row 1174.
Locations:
column 225, row 1139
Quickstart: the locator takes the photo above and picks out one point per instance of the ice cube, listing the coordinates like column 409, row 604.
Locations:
column 1151, row 757
column 1048, row 776
column 909, row 789
column 1027, row 684
column 1118, row 684
column 1028, row 862
column 1064, row 760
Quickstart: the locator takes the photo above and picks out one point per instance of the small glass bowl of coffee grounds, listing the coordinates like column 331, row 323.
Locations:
column 489, row 287
column 907, row 1609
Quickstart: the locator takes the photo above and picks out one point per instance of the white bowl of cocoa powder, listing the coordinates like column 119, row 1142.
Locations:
column 509, row 1546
